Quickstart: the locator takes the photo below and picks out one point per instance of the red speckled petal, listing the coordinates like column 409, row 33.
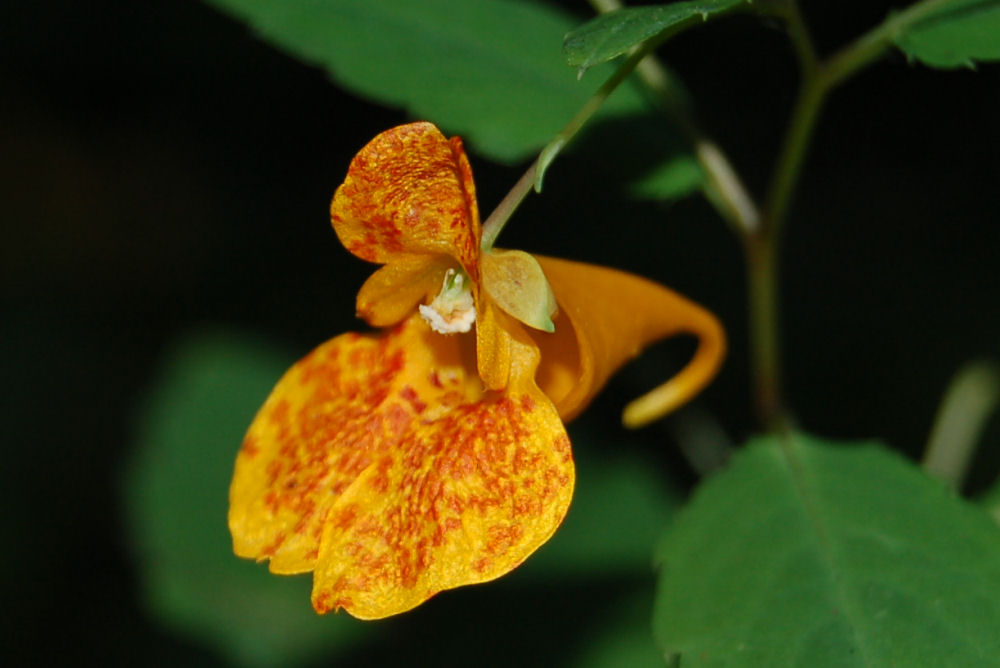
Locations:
column 380, row 463
column 393, row 292
column 493, row 344
column 410, row 190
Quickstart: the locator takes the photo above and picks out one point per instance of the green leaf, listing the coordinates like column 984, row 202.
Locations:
column 489, row 70
column 815, row 555
column 629, row 151
column 613, row 34
column 671, row 179
column 990, row 501
column 954, row 35
column 176, row 498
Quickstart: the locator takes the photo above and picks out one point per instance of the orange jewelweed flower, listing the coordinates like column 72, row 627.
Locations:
column 398, row 464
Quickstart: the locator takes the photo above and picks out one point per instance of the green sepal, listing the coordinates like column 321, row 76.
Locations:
column 516, row 283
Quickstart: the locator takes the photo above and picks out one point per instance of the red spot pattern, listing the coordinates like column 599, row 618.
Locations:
column 462, row 471
column 413, row 398
column 322, row 603
column 249, row 447
column 380, row 478
column 409, row 190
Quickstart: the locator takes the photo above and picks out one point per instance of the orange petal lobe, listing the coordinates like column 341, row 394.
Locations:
column 409, row 190
column 493, row 344
column 612, row 315
column 393, row 292
column 380, row 462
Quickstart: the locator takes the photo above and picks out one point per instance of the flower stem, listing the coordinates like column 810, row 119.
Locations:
column 819, row 78
column 762, row 246
column 725, row 189
column 765, row 360
column 760, row 230
column 533, row 176
column 810, row 100
column 507, row 206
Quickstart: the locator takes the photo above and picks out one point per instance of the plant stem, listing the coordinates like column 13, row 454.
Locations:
column 872, row 44
column 765, row 360
column 972, row 396
column 533, row 176
column 726, row 192
column 812, row 94
column 819, row 78
column 729, row 195
column 798, row 33
column 507, row 206
column 762, row 247
column 760, row 231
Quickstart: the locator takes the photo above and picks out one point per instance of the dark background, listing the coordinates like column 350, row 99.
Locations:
column 162, row 169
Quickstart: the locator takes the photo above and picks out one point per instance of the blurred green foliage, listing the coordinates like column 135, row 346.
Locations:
column 176, row 495
column 484, row 70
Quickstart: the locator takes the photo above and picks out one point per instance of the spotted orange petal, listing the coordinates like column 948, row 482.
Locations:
column 409, row 190
column 493, row 343
column 393, row 292
column 611, row 316
column 380, row 463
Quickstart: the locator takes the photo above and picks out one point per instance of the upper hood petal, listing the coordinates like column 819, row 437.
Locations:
column 409, row 190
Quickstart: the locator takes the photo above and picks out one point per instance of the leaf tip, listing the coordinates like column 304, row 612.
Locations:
column 545, row 158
